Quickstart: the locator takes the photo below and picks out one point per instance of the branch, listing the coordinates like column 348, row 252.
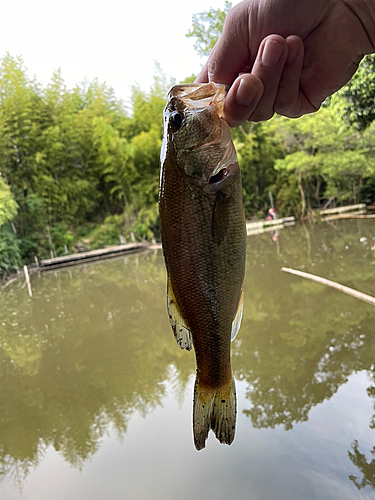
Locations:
column 332, row 284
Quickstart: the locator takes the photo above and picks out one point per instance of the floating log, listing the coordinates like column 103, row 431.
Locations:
column 337, row 286
column 260, row 226
column 358, row 215
column 340, row 210
column 66, row 260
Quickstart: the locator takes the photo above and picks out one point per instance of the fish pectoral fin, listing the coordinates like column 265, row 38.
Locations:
column 220, row 218
column 236, row 323
column 181, row 332
column 214, row 409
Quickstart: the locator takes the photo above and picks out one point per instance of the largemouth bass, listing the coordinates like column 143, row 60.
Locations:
column 204, row 244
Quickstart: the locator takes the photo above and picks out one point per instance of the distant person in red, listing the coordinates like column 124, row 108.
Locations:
column 271, row 214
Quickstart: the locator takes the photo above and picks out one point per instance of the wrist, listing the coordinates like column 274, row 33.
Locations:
column 365, row 12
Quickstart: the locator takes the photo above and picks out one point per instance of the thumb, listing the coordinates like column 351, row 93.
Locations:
column 231, row 53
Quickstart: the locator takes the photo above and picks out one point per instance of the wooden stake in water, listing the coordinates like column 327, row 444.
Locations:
column 332, row 284
column 27, row 281
column 271, row 198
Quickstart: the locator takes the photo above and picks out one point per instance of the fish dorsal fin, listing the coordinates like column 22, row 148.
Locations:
column 181, row 332
column 236, row 323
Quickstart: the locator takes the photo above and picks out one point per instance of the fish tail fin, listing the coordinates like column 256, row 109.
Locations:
column 214, row 409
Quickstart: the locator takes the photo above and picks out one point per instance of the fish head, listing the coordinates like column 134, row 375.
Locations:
column 195, row 134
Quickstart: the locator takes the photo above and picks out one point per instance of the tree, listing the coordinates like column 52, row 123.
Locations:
column 256, row 152
column 329, row 162
column 355, row 101
column 207, row 27
column 8, row 206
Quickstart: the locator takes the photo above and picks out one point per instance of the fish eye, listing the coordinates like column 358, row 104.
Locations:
column 175, row 120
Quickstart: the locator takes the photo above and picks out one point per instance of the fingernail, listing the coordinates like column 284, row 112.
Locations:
column 246, row 93
column 271, row 53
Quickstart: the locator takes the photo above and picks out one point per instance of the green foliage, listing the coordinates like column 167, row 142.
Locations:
column 73, row 156
column 368, row 191
column 355, row 101
column 10, row 253
column 207, row 27
column 189, row 79
column 27, row 248
column 61, row 237
column 288, row 200
column 8, row 206
column 116, row 154
column 256, row 152
column 328, row 162
column 108, row 233
column 305, row 163
column 146, row 225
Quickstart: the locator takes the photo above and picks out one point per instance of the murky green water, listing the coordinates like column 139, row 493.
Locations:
column 96, row 397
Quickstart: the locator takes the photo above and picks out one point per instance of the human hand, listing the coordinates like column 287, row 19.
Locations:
column 288, row 56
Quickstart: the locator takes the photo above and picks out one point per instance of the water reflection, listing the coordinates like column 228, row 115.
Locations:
column 364, row 466
column 83, row 353
column 93, row 345
column 367, row 469
column 301, row 341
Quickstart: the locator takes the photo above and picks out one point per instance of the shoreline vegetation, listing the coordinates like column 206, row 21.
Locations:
column 79, row 168
column 252, row 227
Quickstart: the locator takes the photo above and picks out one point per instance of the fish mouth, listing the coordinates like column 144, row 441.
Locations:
column 200, row 95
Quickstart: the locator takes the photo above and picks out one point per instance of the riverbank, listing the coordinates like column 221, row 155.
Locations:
column 252, row 228
column 77, row 258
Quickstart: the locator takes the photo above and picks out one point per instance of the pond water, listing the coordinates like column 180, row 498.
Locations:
column 96, row 396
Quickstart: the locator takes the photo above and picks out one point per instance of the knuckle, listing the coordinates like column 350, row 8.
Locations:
column 234, row 14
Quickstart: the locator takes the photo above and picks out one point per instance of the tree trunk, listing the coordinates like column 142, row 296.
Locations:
column 317, row 191
column 303, row 198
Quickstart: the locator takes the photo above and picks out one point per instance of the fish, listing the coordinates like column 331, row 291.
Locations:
column 203, row 234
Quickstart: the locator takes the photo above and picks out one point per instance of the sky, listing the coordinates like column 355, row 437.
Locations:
column 115, row 41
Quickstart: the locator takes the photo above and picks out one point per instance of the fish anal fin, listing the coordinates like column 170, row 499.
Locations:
column 214, row 409
column 181, row 332
column 236, row 323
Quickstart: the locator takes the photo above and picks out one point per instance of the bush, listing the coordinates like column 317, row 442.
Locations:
column 61, row 236
column 27, row 248
column 10, row 253
column 106, row 234
column 368, row 191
